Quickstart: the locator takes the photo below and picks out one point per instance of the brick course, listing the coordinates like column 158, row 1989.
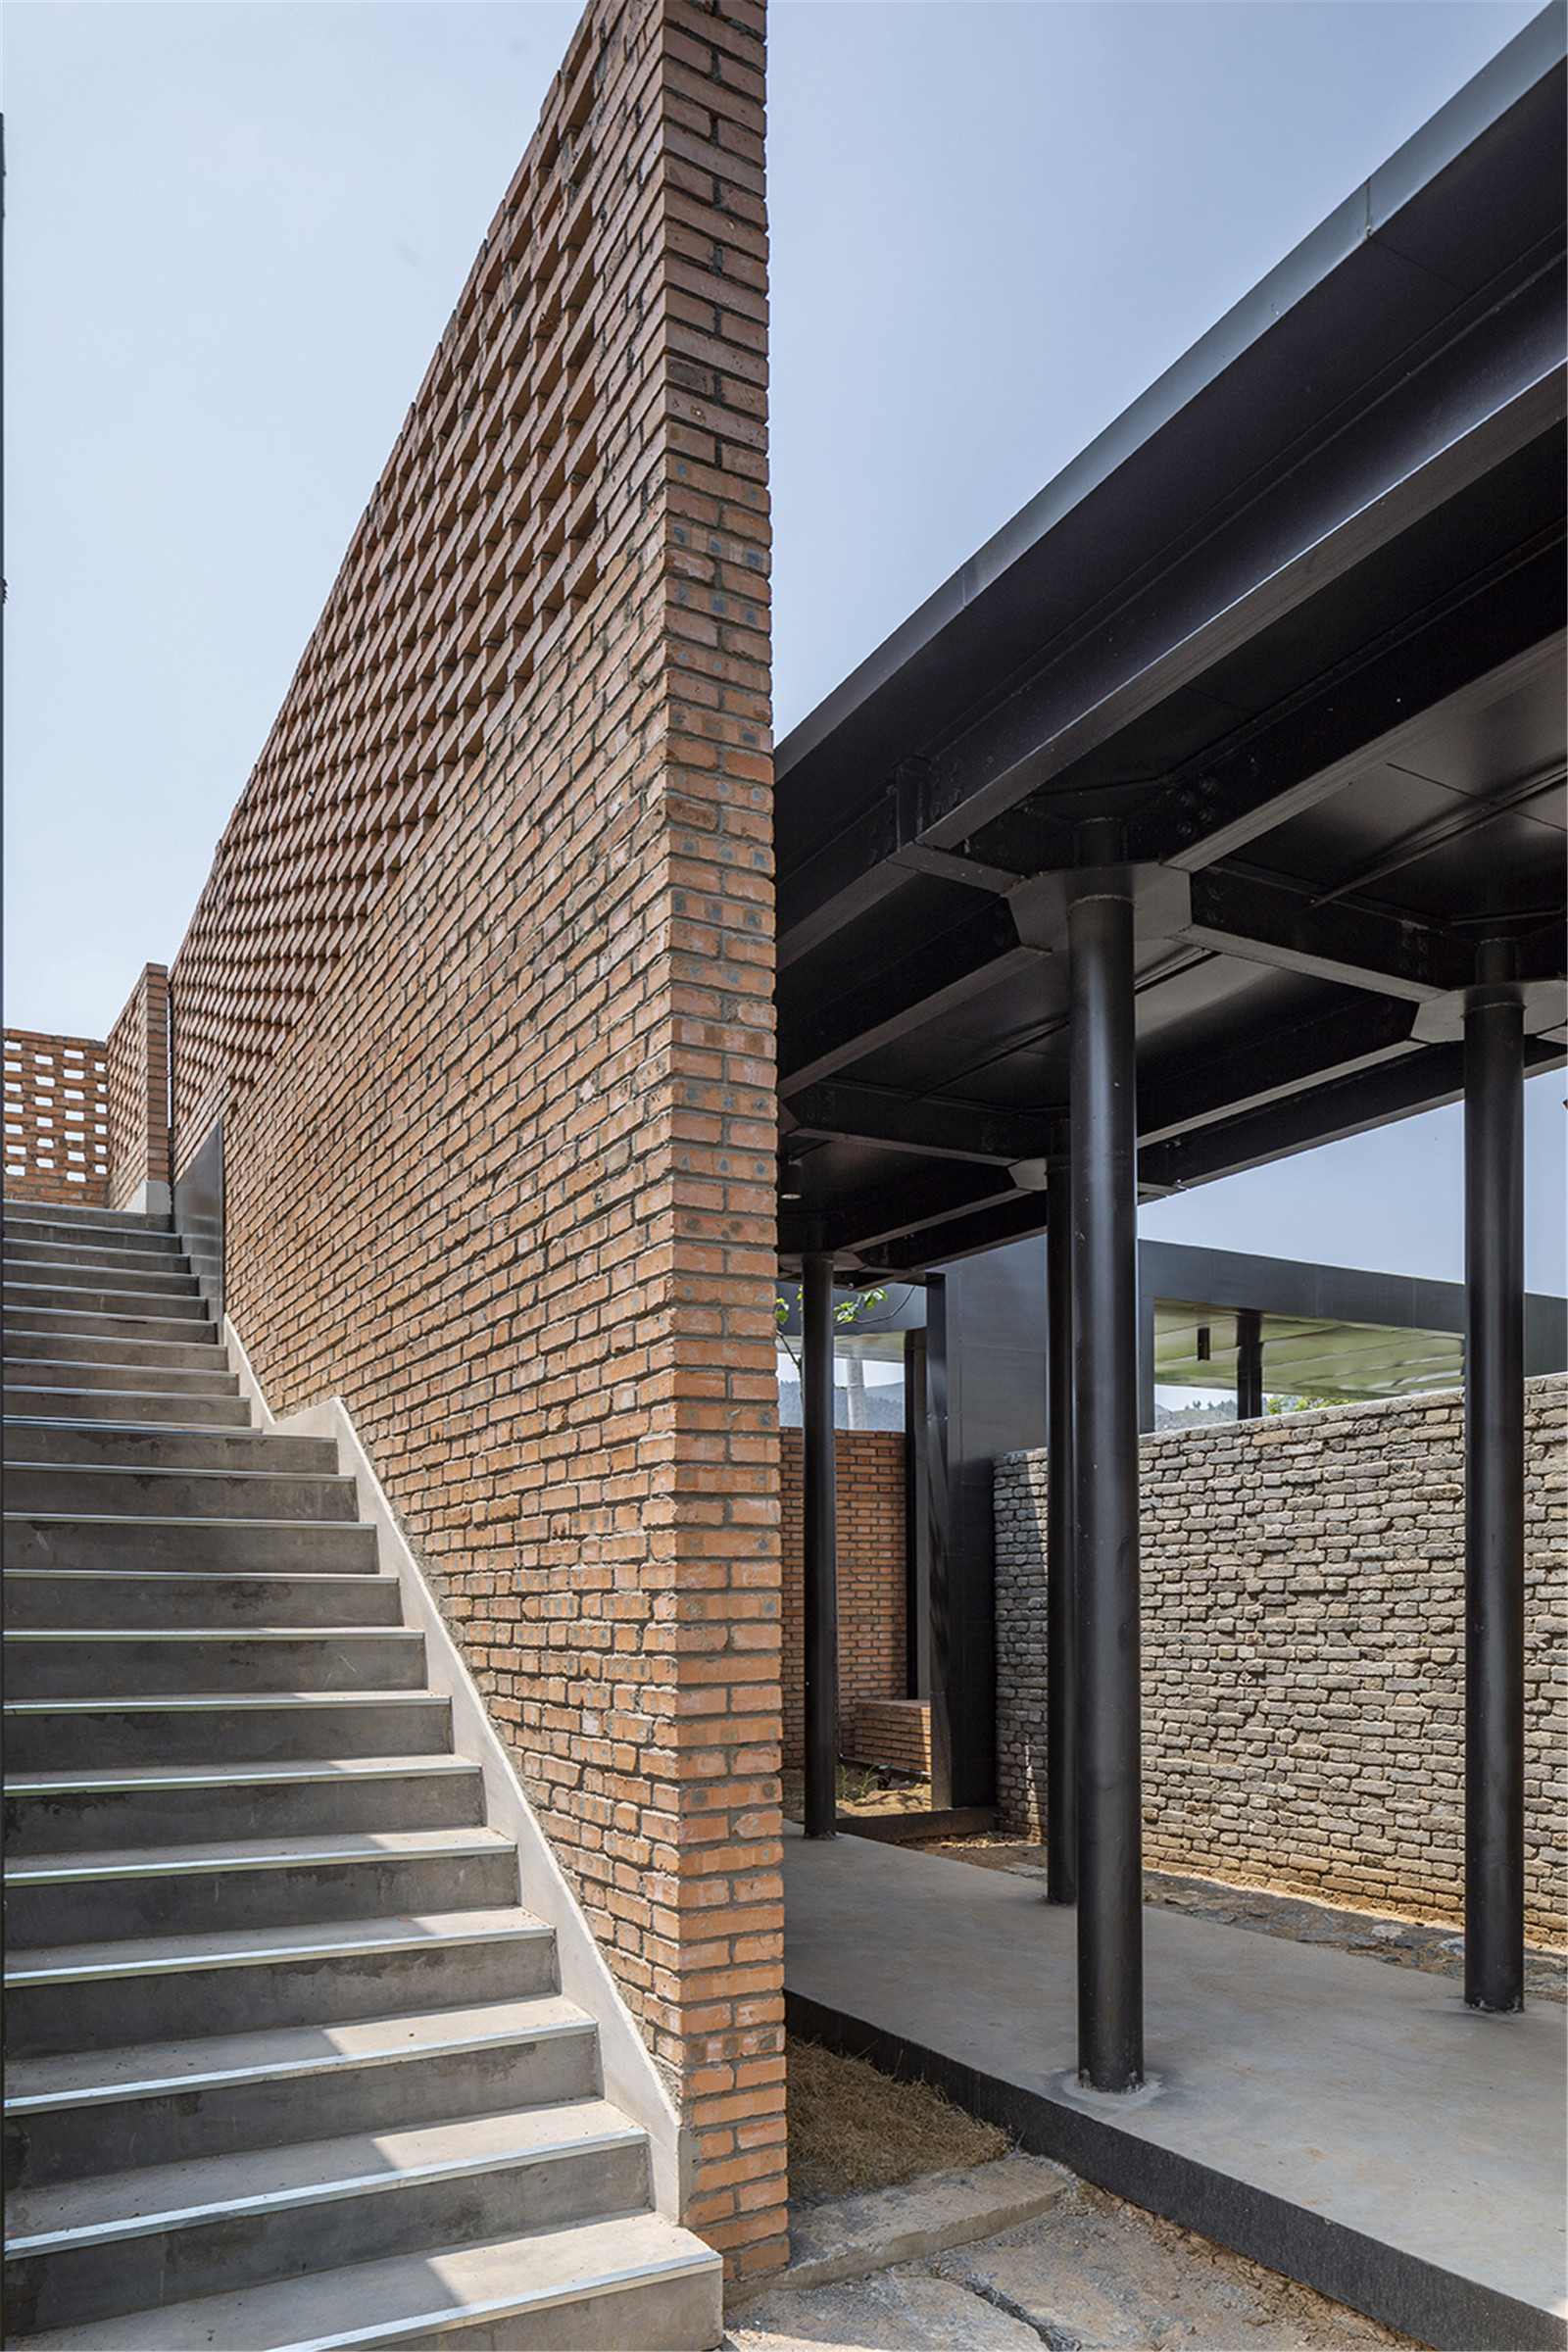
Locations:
column 869, row 1485
column 1303, row 1652
column 480, row 986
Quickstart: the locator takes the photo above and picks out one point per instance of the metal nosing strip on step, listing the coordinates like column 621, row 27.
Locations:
column 526, row 1929
column 212, row 1633
column 324, row 1478
column 252, row 1775
column 506, row 2307
column 112, row 2094
column 480, row 1842
column 183, row 1579
column 285, row 2200
column 227, row 1701
column 170, row 1519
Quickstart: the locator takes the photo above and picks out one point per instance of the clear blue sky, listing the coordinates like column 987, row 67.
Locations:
column 236, row 229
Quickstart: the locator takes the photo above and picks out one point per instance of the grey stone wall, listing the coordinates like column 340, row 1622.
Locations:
column 1303, row 1652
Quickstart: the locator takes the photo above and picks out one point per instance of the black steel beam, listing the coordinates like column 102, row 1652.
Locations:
column 959, row 1237
column 1497, row 628
column 1105, row 1444
column 843, row 1111
column 1494, row 1502
column 1263, row 1065
column 1477, row 393
column 1266, row 920
column 1487, row 634
column 1393, row 1090
column 853, row 1017
column 819, row 1566
column 858, row 1221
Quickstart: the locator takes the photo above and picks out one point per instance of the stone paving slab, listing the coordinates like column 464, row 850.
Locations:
column 848, row 2238
column 1087, row 2273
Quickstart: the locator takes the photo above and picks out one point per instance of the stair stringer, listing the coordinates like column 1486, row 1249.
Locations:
column 632, row 2082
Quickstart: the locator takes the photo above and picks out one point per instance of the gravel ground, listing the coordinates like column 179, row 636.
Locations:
column 1093, row 2271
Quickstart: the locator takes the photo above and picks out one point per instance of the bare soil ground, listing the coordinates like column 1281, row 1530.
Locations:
column 852, row 2128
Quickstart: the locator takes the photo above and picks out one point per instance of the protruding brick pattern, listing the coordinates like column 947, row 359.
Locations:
column 138, row 1097
column 891, row 1731
column 481, row 985
column 1303, row 1652
column 57, row 1118
column 870, row 1483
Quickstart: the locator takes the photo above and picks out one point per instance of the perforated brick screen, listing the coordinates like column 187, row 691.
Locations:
column 57, row 1118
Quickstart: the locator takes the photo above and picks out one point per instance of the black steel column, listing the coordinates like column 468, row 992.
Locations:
column 1494, row 1499
column 821, row 1563
column 1248, row 1363
column 1062, row 1613
column 1104, row 1296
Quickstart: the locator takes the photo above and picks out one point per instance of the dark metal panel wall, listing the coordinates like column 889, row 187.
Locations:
column 986, row 1333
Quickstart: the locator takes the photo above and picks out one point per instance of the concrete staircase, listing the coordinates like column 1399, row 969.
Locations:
column 289, row 2064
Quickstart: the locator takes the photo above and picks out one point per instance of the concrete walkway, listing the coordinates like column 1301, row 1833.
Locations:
column 1348, row 2123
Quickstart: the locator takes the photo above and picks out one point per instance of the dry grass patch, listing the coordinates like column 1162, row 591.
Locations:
column 852, row 2128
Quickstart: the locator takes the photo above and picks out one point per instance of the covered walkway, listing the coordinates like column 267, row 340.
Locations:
column 1350, row 2124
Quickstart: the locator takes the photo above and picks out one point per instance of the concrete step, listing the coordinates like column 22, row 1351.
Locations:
column 55, row 1734
column 90, row 2249
column 317, row 1547
column 155, row 1254
column 83, row 1224
column 76, row 1812
column 97, row 1491
column 25, row 1371
column 138, row 1410
column 200, row 1661
column 126, row 1447
column 138, row 1989
column 68, row 1599
column 119, row 1275
column 119, row 1313
column 195, row 1354
column 60, row 1317
column 101, row 2110
column 633, row 2280
column 258, row 1882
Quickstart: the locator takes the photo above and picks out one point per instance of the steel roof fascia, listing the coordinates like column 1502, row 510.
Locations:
column 1371, row 209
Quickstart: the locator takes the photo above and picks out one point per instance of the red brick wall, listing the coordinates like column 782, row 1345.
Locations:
column 138, row 1058
column 871, row 1568
column 892, row 1731
column 481, row 987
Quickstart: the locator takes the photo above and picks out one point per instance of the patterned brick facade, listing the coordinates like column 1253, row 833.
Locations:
column 870, row 1485
column 481, row 988
column 57, row 1118
column 1303, row 1652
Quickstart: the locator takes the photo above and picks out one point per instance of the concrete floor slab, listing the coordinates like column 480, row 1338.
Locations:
column 1349, row 2124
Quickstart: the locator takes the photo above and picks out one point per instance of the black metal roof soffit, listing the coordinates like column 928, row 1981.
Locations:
column 1287, row 642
